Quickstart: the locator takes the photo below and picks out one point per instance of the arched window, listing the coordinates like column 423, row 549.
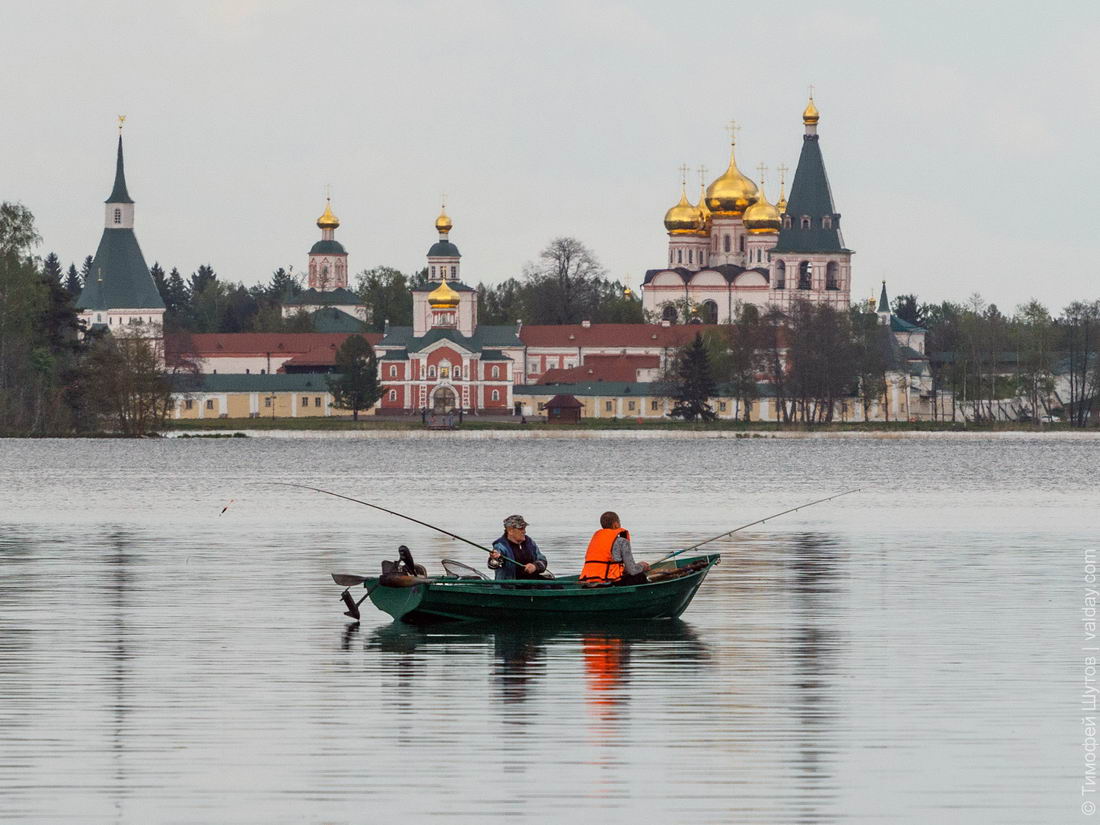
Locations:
column 118, row 216
column 709, row 312
column 831, row 281
column 786, row 221
column 742, row 244
column 393, row 371
column 431, row 371
column 496, row 395
column 780, row 275
column 454, row 271
column 827, row 222
column 670, row 260
column 679, row 256
column 433, row 271
column 805, row 275
column 726, row 243
column 805, row 222
column 690, row 255
column 669, row 314
column 393, row 395
column 496, row 372
column 458, row 373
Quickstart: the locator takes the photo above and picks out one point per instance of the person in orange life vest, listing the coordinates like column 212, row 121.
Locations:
column 516, row 545
column 609, row 557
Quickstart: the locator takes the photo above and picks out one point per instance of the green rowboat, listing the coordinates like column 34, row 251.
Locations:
column 429, row 600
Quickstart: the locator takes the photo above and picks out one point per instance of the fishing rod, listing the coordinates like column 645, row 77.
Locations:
column 758, row 521
column 399, row 515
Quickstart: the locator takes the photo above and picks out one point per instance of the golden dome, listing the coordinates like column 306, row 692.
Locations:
column 443, row 297
column 810, row 115
column 328, row 220
column 683, row 218
column 704, row 212
column 443, row 222
column 761, row 217
column 732, row 193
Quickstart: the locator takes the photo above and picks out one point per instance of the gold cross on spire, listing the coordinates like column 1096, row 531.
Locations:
column 328, row 191
column 684, row 174
column 443, row 200
column 811, row 91
column 121, row 120
column 782, row 170
column 702, row 175
column 733, row 129
column 763, row 170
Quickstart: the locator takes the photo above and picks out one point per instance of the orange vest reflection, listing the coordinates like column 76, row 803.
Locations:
column 605, row 663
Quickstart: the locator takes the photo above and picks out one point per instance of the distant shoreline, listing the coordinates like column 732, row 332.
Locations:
column 655, row 433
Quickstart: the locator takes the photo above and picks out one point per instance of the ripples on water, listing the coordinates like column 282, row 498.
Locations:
column 907, row 654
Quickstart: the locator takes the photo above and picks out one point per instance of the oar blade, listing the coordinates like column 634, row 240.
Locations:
column 347, row 579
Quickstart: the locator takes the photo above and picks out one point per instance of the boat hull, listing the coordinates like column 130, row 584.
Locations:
column 557, row 600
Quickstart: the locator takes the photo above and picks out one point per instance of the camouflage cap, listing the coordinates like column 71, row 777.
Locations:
column 515, row 521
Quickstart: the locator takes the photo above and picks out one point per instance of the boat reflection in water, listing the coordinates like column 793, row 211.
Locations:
column 598, row 660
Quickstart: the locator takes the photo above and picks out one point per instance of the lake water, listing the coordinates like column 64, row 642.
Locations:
column 911, row 653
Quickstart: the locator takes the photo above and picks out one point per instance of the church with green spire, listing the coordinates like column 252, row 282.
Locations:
column 120, row 295
column 737, row 247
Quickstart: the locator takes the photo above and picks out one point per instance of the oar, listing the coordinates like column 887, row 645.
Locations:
column 399, row 515
column 348, row 580
column 751, row 523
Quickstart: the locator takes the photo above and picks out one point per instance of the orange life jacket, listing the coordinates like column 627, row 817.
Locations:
column 598, row 565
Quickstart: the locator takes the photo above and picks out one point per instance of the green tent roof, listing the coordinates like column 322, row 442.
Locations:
column 810, row 197
column 119, row 278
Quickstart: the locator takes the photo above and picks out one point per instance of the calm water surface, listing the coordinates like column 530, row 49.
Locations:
column 908, row 654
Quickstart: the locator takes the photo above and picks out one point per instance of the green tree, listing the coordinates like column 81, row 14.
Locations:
column 38, row 334
column 502, row 303
column 17, row 232
column 52, row 269
column 177, row 303
column 907, row 308
column 690, row 382
column 1079, row 325
column 355, row 386
column 743, row 361
column 86, row 269
column 1035, row 350
column 872, row 347
column 73, row 285
column 386, row 291
column 127, row 389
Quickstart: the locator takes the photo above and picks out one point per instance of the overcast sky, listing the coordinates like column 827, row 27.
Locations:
column 958, row 137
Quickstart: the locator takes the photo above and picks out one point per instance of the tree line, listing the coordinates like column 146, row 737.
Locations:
column 53, row 379
column 814, row 358
column 810, row 361
column 981, row 356
column 566, row 285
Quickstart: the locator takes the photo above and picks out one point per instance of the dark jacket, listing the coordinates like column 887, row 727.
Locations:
column 530, row 551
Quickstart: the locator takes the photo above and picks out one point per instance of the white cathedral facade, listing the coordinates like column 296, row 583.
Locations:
column 735, row 247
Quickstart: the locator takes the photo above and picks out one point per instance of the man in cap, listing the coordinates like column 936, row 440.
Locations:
column 516, row 545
